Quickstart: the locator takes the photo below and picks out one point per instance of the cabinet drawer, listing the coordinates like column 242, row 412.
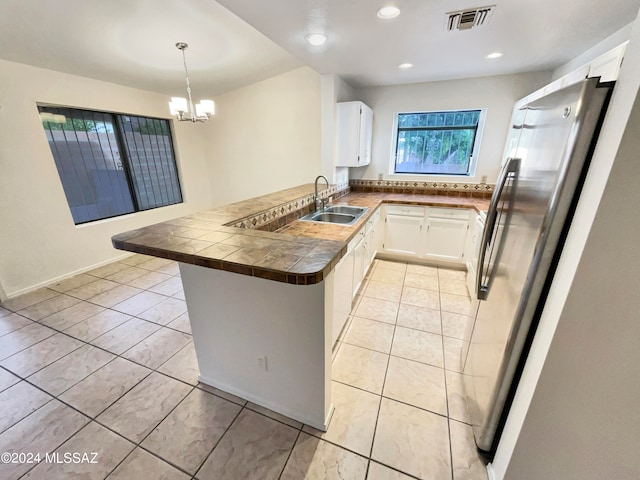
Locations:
column 406, row 210
column 453, row 213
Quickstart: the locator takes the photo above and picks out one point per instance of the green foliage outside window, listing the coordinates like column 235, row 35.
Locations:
column 436, row 142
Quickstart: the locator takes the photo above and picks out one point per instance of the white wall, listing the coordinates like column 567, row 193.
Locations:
column 38, row 239
column 575, row 411
column 497, row 94
column 265, row 137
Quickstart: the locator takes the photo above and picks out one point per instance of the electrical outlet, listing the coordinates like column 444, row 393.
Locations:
column 262, row 363
column 483, row 179
column 380, row 176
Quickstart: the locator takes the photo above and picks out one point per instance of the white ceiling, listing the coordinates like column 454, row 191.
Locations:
column 131, row 42
column 364, row 50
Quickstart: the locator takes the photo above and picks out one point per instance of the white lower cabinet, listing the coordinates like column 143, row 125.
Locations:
column 403, row 230
column 360, row 256
column 472, row 250
column 342, row 294
column 446, row 234
column 430, row 233
column 371, row 237
column 350, row 272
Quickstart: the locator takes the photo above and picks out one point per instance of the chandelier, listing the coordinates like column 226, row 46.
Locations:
column 183, row 108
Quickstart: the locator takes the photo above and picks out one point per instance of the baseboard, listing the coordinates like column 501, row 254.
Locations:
column 59, row 278
column 299, row 416
column 429, row 262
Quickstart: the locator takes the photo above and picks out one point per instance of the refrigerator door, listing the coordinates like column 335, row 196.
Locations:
column 524, row 225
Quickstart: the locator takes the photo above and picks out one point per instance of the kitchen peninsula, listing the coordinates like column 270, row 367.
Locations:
column 259, row 289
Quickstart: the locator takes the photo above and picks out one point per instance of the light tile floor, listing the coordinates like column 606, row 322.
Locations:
column 104, row 362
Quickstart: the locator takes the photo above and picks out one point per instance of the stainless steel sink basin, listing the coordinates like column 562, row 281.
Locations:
column 345, row 209
column 333, row 217
column 338, row 214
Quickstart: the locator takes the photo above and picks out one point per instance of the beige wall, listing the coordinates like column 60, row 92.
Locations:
column 497, row 94
column 265, row 137
column 38, row 239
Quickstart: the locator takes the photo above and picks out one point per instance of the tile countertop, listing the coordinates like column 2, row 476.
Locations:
column 300, row 253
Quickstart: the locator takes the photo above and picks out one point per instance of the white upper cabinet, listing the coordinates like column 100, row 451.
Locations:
column 606, row 66
column 354, row 135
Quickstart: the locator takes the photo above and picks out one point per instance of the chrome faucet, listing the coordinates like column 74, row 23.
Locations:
column 316, row 197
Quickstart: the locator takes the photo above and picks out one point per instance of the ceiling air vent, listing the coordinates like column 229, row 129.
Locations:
column 468, row 18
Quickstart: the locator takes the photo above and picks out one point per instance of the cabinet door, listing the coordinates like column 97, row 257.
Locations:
column 370, row 239
column 360, row 254
column 446, row 238
column 474, row 238
column 366, row 132
column 354, row 133
column 403, row 234
column 342, row 294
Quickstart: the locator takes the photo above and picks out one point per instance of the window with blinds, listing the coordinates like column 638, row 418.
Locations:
column 111, row 164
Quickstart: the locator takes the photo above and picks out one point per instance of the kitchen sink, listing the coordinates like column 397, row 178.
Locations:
column 338, row 214
column 345, row 209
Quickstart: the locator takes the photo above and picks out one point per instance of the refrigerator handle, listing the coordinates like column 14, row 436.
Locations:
column 510, row 168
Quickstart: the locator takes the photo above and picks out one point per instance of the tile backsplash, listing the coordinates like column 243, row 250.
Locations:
column 449, row 189
column 278, row 216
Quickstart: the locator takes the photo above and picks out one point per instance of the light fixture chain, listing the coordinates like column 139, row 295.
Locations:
column 186, row 72
column 199, row 113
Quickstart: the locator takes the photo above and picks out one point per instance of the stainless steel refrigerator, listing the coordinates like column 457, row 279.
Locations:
column 550, row 146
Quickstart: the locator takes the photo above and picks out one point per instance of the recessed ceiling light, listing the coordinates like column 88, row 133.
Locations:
column 493, row 55
column 388, row 12
column 404, row 66
column 316, row 39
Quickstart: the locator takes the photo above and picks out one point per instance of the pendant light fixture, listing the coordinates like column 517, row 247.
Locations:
column 183, row 108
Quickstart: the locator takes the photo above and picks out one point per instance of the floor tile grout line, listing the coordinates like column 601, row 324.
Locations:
column 402, row 401
column 318, row 436
column 88, row 342
column 206, row 457
column 284, row 466
column 104, row 350
column 64, row 356
column 39, row 322
column 384, row 380
column 446, row 389
column 85, row 343
column 138, row 444
column 91, row 419
column 395, row 469
column 10, row 373
column 28, row 414
column 54, row 448
column 118, row 284
column 56, row 397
